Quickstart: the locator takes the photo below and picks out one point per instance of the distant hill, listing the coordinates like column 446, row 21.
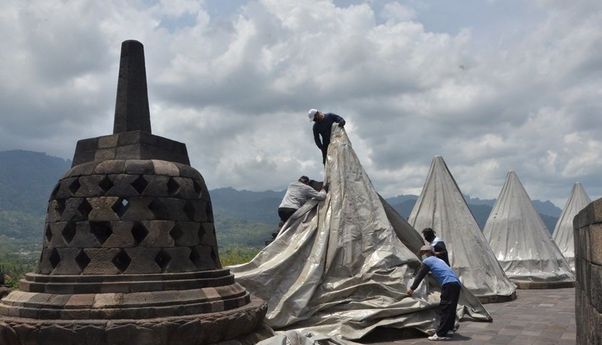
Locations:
column 27, row 178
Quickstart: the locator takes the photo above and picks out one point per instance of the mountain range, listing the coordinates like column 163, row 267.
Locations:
column 243, row 218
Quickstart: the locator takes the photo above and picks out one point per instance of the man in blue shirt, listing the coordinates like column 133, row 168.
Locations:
column 323, row 128
column 450, row 290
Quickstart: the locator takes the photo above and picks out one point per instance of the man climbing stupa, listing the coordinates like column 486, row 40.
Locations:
column 323, row 128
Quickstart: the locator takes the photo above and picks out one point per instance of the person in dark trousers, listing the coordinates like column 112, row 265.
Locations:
column 297, row 194
column 437, row 244
column 323, row 128
column 450, row 290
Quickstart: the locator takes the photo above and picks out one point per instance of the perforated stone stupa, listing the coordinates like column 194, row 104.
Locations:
column 129, row 249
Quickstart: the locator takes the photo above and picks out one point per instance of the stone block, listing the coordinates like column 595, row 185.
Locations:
column 584, row 218
column 67, row 263
column 127, row 152
column 108, row 141
column 89, row 186
column 83, row 149
column 44, row 266
column 180, row 260
column 130, row 334
column 75, row 209
column 165, row 168
column 143, row 260
column 176, row 209
column 205, row 257
column 207, row 235
column 157, row 186
column 158, row 234
column 138, row 209
column 595, row 286
column 128, row 138
column 186, row 233
column 54, row 210
column 113, row 166
column 101, row 261
column 122, row 185
column 186, row 188
column 121, row 236
column 594, row 245
column 104, row 154
column 63, row 192
column 56, row 232
column 139, row 167
column 83, row 237
column 83, row 169
column 102, row 208
column 80, row 301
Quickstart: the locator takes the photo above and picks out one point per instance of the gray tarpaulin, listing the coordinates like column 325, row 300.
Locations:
column 337, row 269
column 441, row 206
column 521, row 241
column 563, row 232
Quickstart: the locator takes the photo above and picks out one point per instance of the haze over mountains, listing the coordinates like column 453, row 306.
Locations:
column 243, row 218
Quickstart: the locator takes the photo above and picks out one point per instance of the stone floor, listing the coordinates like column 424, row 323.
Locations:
column 536, row 317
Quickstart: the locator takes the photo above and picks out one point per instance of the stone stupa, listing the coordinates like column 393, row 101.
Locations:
column 129, row 249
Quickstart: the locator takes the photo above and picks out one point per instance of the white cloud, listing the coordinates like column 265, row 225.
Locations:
column 236, row 89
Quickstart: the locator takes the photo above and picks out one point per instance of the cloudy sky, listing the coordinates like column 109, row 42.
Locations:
column 489, row 85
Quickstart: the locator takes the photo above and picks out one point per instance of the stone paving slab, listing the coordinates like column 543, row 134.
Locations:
column 536, row 317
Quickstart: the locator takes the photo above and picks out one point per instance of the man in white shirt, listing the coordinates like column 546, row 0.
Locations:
column 297, row 194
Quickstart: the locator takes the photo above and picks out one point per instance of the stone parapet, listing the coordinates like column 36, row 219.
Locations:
column 588, row 266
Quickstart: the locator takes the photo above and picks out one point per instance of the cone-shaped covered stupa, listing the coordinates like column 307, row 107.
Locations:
column 129, row 250
column 563, row 232
column 339, row 267
column 442, row 207
column 521, row 242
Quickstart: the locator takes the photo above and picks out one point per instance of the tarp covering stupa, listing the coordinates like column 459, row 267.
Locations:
column 442, row 207
column 521, row 242
column 563, row 232
column 338, row 268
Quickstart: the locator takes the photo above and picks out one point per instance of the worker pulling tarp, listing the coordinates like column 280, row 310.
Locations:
column 337, row 269
column 563, row 232
column 442, row 207
column 522, row 243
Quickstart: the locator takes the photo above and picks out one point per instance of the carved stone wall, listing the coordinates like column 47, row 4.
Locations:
column 588, row 266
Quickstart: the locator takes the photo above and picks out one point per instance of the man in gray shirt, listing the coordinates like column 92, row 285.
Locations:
column 297, row 194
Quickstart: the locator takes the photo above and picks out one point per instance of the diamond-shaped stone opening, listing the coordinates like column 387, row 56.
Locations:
column 189, row 209
column 105, row 184
column 162, row 259
column 55, row 190
column 82, row 260
column 101, row 230
column 84, row 208
column 176, row 232
column 172, row 186
column 139, row 232
column 120, row 206
column 48, row 233
column 140, row 184
column 69, row 232
column 194, row 256
column 197, row 187
column 74, row 186
column 122, row 260
column 54, row 258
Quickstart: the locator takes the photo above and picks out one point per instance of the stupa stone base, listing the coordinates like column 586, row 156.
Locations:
column 543, row 285
column 497, row 298
column 197, row 329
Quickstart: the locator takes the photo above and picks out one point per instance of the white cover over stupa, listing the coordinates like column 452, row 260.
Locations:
column 338, row 269
column 442, row 207
column 521, row 242
column 563, row 232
